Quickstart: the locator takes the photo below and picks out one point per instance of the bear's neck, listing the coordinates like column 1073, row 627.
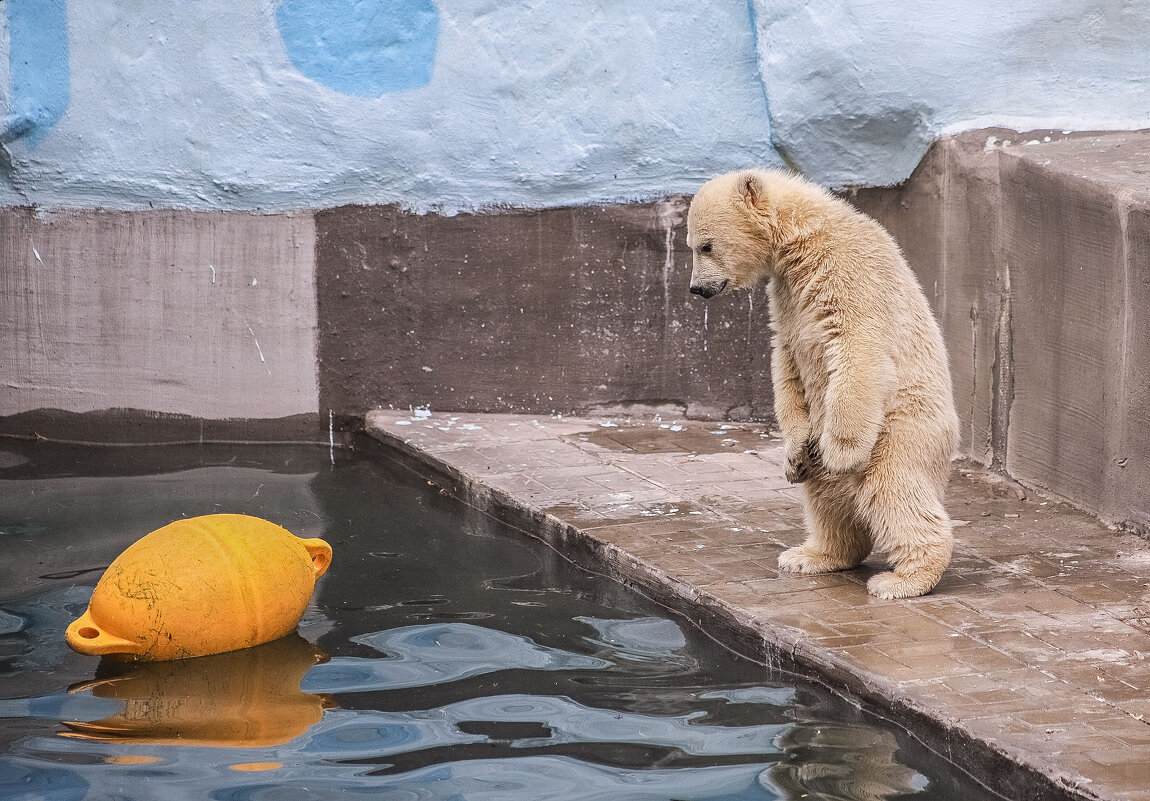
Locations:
column 795, row 263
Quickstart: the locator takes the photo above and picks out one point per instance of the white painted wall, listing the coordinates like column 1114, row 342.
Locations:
column 859, row 88
column 198, row 104
column 217, row 104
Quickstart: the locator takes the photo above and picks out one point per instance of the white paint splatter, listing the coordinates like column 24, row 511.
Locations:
column 36, row 253
column 330, row 429
column 255, row 281
column 213, row 269
column 259, row 350
column 1113, row 655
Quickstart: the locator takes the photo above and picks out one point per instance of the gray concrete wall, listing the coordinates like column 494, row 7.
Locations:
column 200, row 315
column 1035, row 254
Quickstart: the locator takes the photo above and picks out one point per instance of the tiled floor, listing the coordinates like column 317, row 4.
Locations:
column 1037, row 640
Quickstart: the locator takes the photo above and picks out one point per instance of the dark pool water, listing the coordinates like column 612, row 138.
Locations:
column 443, row 657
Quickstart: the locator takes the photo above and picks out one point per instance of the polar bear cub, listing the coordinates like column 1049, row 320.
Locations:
column 861, row 382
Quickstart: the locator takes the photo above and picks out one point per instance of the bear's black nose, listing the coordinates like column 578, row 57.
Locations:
column 708, row 290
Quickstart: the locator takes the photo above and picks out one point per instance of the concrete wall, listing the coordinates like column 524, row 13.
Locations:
column 563, row 310
column 183, row 325
column 1034, row 250
column 1033, row 253
column 202, row 315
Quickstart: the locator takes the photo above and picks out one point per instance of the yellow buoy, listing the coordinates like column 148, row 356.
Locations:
column 201, row 586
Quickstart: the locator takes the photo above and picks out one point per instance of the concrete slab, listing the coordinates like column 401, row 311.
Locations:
column 1028, row 666
column 206, row 315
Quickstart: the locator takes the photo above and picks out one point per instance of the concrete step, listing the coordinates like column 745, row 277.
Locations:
column 1034, row 249
column 1028, row 666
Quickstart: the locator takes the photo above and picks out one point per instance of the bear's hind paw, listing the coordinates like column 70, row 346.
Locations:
column 892, row 585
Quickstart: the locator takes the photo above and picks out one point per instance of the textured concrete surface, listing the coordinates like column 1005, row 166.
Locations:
column 299, row 104
column 859, row 88
column 1027, row 666
column 291, row 104
column 530, row 311
column 1033, row 248
column 205, row 315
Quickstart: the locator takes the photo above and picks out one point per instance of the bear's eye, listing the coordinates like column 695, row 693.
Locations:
column 705, row 247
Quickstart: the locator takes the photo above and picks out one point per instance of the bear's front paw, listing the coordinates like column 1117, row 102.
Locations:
column 840, row 455
column 802, row 462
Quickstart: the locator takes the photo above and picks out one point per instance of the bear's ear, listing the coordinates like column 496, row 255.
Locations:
column 752, row 189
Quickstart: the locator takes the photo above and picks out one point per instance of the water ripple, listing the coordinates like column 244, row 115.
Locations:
column 439, row 653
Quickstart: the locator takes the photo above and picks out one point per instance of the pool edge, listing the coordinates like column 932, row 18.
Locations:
column 772, row 645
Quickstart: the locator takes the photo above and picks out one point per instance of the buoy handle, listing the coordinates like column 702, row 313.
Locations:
column 320, row 553
column 86, row 637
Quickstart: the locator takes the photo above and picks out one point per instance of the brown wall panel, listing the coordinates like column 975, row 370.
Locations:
column 562, row 310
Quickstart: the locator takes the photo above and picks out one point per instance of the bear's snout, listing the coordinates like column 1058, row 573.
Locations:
column 708, row 290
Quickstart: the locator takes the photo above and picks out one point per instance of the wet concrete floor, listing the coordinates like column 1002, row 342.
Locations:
column 1027, row 666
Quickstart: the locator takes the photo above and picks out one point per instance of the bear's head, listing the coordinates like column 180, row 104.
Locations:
column 737, row 223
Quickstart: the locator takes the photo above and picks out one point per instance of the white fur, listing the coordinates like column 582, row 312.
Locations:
column 862, row 387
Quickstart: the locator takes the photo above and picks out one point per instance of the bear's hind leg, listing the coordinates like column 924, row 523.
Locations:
column 838, row 539
column 911, row 527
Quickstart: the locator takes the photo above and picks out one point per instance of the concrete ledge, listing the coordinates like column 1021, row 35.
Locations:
column 142, row 427
column 1026, row 667
column 1034, row 248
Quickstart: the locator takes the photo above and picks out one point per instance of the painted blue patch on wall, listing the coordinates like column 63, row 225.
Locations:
column 38, row 68
column 361, row 47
